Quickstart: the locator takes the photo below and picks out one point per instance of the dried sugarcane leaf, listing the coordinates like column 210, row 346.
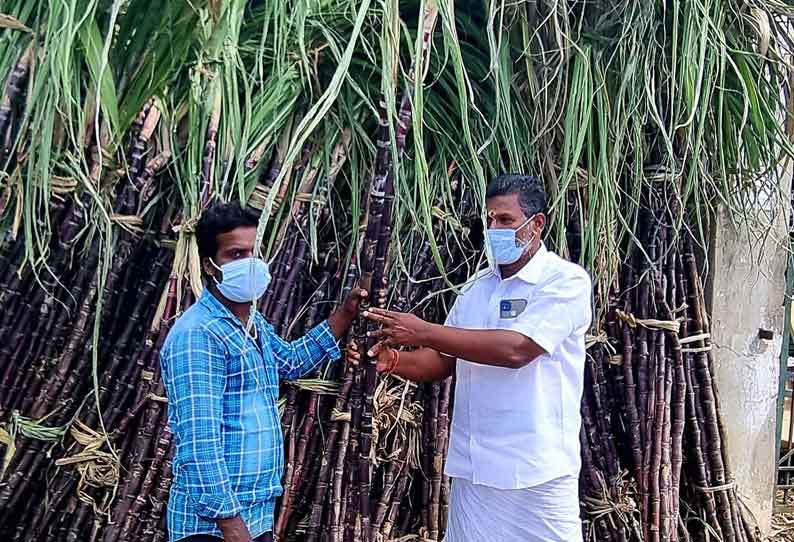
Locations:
column 12, row 23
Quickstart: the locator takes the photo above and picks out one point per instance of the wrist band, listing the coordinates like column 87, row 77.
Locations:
column 394, row 361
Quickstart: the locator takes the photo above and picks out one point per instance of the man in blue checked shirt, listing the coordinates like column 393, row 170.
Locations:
column 221, row 365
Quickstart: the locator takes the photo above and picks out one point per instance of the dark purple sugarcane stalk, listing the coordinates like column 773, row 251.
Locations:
column 333, row 446
column 430, row 426
column 123, row 379
column 380, row 188
column 374, row 256
column 391, row 520
column 147, row 363
column 64, row 370
column 707, row 404
column 155, row 522
column 14, row 92
column 602, row 415
column 115, row 377
column 281, row 269
column 144, row 127
column 294, row 482
column 134, row 513
column 143, row 447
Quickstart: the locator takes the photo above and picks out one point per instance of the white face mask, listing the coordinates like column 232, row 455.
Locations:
column 505, row 246
column 244, row 280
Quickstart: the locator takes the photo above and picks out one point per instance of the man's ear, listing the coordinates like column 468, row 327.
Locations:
column 540, row 222
column 207, row 267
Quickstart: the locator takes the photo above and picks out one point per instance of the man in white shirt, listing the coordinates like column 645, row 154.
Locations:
column 515, row 338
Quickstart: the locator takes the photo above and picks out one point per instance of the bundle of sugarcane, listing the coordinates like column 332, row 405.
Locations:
column 655, row 467
column 110, row 476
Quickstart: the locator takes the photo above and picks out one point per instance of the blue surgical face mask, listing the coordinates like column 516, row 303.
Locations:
column 505, row 247
column 244, row 280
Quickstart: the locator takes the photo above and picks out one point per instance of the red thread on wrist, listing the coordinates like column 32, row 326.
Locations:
column 394, row 361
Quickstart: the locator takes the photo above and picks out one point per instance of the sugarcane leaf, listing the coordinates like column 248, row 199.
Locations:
column 91, row 41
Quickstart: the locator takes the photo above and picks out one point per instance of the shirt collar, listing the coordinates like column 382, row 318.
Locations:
column 214, row 306
column 219, row 310
column 532, row 271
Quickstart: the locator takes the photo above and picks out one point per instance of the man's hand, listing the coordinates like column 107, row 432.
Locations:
column 234, row 530
column 353, row 302
column 385, row 355
column 399, row 328
column 343, row 317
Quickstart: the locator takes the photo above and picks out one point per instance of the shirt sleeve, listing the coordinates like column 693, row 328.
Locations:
column 452, row 316
column 556, row 311
column 196, row 365
column 295, row 359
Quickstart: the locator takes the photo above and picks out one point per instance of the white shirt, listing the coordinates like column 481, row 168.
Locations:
column 519, row 428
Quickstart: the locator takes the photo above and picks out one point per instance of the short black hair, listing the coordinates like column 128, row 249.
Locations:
column 220, row 218
column 531, row 194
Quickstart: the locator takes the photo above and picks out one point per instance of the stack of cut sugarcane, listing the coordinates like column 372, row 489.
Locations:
column 655, row 467
column 110, row 478
column 365, row 132
column 364, row 455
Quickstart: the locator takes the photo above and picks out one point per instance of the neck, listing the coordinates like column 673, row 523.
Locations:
column 241, row 310
column 511, row 269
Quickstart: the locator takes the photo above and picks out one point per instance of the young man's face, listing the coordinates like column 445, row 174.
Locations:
column 234, row 245
column 504, row 212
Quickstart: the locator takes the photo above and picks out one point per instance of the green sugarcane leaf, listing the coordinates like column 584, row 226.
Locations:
column 91, row 41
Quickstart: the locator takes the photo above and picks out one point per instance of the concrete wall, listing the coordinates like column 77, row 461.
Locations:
column 746, row 292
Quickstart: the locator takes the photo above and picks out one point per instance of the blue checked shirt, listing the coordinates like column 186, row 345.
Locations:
column 222, row 388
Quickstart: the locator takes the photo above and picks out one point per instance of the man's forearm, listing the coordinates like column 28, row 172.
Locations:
column 424, row 365
column 496, row 347
column 340, row 321
column 234, row 529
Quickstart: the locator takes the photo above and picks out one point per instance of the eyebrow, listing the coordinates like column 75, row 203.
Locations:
column 238, row 247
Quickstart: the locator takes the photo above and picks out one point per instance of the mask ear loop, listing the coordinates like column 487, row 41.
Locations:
column 521, row 227
column 218, row 268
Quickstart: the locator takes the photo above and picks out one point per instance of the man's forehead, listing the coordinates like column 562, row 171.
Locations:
column 502, row 204
column 242, row 236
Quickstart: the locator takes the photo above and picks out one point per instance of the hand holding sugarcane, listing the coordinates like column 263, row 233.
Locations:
column 343, row 317
column 387, row 357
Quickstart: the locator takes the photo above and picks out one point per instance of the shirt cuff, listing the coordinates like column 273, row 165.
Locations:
column 217, row 506
column 324, row 337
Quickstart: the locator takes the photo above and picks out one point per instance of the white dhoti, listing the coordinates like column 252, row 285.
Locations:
column 546, row 513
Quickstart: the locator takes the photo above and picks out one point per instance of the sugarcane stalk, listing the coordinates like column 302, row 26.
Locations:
column 332, row 446
column 706, row 399
column 336, row 514
column 293, row 483
column 436, row 512
column 14, row 91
